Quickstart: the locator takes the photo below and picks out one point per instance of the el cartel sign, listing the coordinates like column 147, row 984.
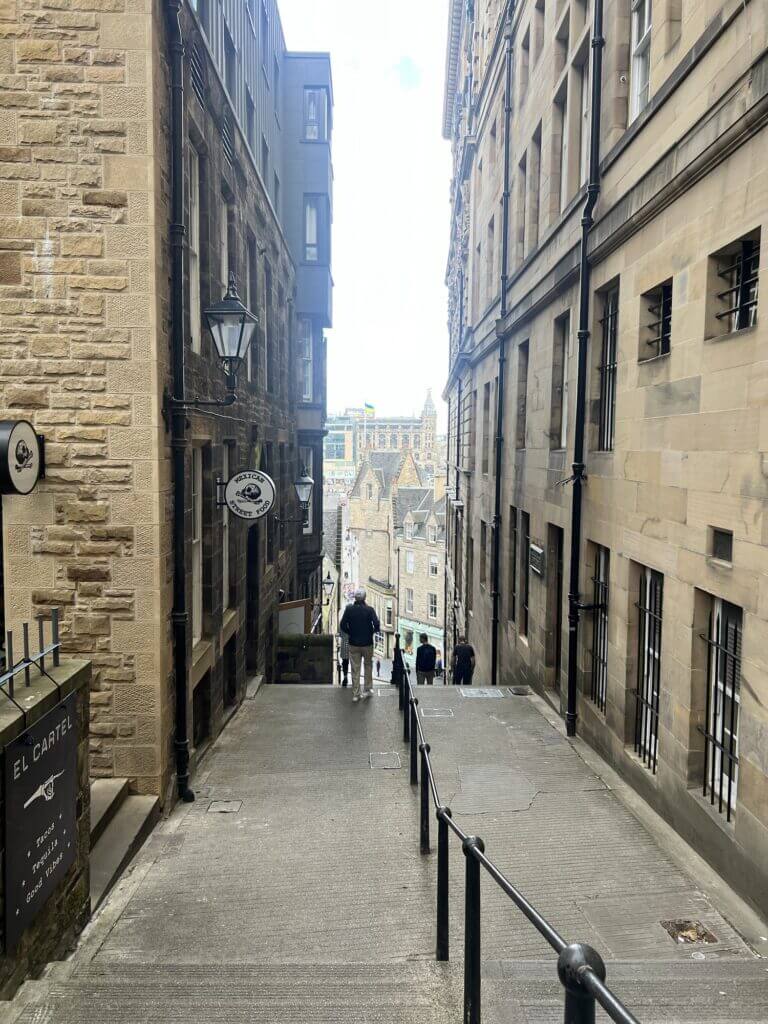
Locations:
column 40, row 777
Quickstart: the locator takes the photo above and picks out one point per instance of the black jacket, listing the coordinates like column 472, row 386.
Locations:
column 426, row 657
column 359, row 622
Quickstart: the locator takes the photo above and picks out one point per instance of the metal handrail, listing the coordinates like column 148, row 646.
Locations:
column 580, row 968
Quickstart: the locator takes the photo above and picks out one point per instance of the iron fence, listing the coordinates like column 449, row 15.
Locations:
column 46, row 649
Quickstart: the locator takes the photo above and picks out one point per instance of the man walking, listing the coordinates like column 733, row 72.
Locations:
column 463, row 663
column 344, row 655
column 360, row 622
column 426, row 656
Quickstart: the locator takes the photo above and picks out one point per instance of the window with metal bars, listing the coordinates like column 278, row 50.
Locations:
column 649, row 608
column 607, row 370
column 599, row 681
column 512, row 593
column 737, row 268
column 721, row 742
column 656, row 327
column 525, row 570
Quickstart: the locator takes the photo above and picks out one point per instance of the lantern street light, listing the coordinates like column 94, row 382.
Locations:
column 303, row 487
column 328, row 585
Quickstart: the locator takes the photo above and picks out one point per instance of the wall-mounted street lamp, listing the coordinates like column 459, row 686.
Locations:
column 303, row 487
column 328, row 585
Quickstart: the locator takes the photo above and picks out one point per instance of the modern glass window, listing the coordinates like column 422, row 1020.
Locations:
column 512, row 565
column 194, row 249
column 558, row 431
column 721, row 750
column 599, row 681
column 649, row 610
column 226, row 591
column 316, row 115
column 305, row 357
column 409, row 562
column 335, row 446
column 656, row 329
column 316, row 249
column 409, row 600
column 434, row 567
column 525, row 571
column 197, row 544
column 737, row 282
column 522, row 394
column 641, row 56
column 607, row 370
column 432, row 605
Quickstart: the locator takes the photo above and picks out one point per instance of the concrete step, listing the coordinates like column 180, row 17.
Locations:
column 119, row 843
column 106, row 797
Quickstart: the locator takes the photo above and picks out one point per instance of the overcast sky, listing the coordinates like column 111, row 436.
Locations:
column 391, row 190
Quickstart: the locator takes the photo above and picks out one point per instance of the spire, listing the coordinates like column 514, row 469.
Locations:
column 429, row 410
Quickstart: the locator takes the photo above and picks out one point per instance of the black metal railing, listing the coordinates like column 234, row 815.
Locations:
column 580, row 967
column 30, row 660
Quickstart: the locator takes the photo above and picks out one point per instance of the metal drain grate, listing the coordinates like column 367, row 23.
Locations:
column 385, row 759
column 488, row 692
column 437, row 712
column 689, row 933
column 519, row 691
column 224, row 806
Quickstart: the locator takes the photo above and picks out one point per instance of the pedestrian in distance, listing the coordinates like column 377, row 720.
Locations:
column 426, row 658
column 439, row 666
column 360, row 622
column 463, row 663
column 344, row 655
column 378, row 668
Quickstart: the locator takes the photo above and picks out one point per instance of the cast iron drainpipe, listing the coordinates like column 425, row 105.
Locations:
column 502, row 350
column 179, row 442
column 593, row 191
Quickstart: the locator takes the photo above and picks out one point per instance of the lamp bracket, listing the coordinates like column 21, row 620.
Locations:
column 220, row 487
column 171, row 404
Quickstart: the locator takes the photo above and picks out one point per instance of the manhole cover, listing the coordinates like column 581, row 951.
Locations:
column 519, row 691
column 224, row 806
column 385, row 759
column 488, row 692
column 688, row 933
column 437, row 712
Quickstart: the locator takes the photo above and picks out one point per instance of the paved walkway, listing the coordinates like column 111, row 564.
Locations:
column 292, row 890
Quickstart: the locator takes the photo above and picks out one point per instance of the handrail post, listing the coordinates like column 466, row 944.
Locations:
column 442, row 883
column 472, row 961
column 414, row 737
column 571, row 964
column 406, row 711
column 424, row 750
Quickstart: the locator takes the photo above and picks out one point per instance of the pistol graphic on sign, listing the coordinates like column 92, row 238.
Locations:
column 44, row 790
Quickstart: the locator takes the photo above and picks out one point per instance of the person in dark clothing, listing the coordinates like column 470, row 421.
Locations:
column 360, row 622
column 463, row 663
column 426, row 656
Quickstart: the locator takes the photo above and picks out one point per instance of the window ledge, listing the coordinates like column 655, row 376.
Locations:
column 726, row 827
column 653, row 359
column 719, row 563
column 638, row 762
column 731, row 335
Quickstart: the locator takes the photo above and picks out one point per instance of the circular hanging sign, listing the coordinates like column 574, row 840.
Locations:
column 20, row 457
column 250, row 495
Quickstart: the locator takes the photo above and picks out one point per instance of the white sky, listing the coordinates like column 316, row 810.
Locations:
column 391, row 191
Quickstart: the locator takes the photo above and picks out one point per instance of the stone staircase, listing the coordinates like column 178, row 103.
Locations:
column 120, row 822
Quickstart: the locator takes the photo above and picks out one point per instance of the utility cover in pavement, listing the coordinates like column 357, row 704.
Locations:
column 492, row 692
column 224, row 806
column 385, row 759
column 437, row 712
column 689, row 932
column 519, row 691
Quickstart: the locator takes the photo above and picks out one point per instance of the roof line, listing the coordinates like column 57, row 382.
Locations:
column 455, row 13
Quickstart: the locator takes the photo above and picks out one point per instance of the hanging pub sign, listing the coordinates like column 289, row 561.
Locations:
column 250, row 494
column 40, row 776
column 536, row 559
column 21, row 457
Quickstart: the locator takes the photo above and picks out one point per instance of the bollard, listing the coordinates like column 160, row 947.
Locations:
column 414, row 737
column 472, row 931
column 25, row 631
column 424, row 749
column 442, row 883
column 579, row 1004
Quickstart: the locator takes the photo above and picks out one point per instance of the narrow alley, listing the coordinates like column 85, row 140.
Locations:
column 293, row 890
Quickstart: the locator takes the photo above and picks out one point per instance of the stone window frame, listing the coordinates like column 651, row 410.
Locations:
column 733, row 309
column 432, row 602
column 655, row 328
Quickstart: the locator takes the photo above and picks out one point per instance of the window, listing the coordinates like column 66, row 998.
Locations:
column 250, row 121
column 641, row 56
column 721, row 747
column 226, row 215
column 406, row 440
column 432, row 535
column 525, row 571
column 264, row 35
column 534, row 193
column 270, row 375
column 722, row 544
column 316, row 248
column 434, row 566
column 276, row 191
column 734, row 282
column 409, row 562
column 490, row 251
column 276, row 80
column 409, row 530
column 432, row 605
column 607, row 371
column 522, row 207
column 476, row 281
column 316, row 115
column 305, row 357
column 558, row 429
column 369, row 491
column 649, row 608
column 522, row 394
column 537, row 25
column 230, row 65
column 512, row 565
column 470, row 573
column 307, row 463
column 409, row 600
column 486, row 426
column 656, row 323
column 525, row 52
column 252, row 302
column 225, row 583
column 388, row 614
column 561, row 144
column 334, row 446
column 197, row 544
column 599, row 688
column 194, row 249
column 483, row 553
column 265, row 161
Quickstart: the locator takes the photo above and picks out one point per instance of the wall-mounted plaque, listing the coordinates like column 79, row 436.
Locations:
column 536, row 559
column 250, row 494
column 21, row 457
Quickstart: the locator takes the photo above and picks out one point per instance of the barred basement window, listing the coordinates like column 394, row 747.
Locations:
column 599, row 690
column 607, row 371
column 721, row 761
column 656, row 323
column 736, row 268
column 649, row 608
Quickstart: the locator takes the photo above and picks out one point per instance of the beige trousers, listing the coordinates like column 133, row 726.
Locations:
column 357, row 655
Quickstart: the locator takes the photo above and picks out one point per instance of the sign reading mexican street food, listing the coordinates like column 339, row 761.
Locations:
column 20, row 457
column 40, row 815
column 250, row 494
column 536, row 560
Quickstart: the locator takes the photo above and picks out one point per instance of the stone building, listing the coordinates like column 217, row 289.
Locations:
column 87, row 304
column 669, row 613
column 398, row 529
